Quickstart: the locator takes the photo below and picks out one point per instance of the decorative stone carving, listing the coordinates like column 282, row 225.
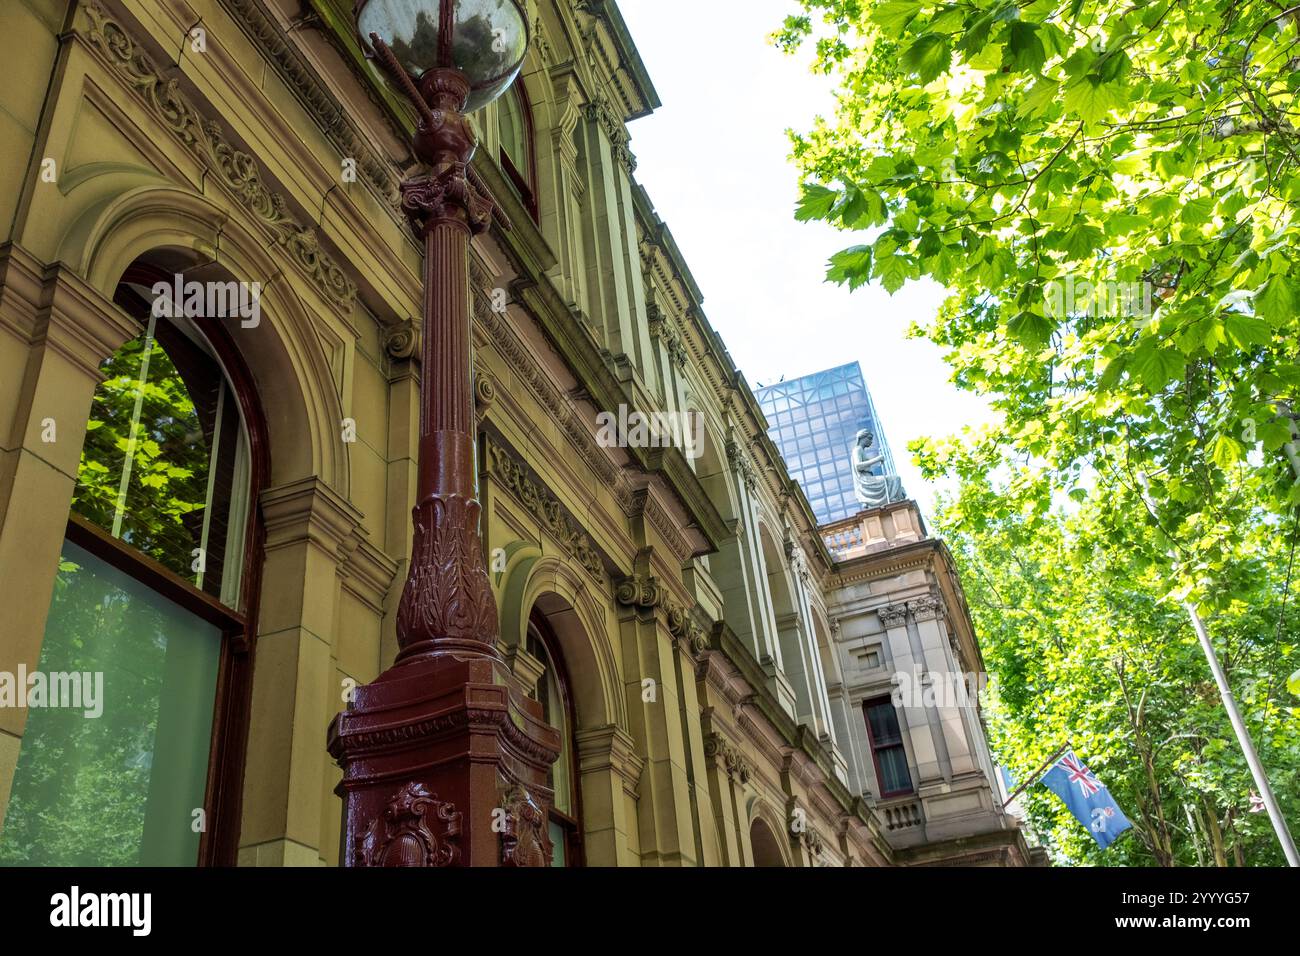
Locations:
column 401, row 340
column 485, row 390
column 519, row 480
column 525, row 840
column 733, row 761
column 812, row 843
column 664, row 330
column 638, row 591
column 798, row 560
column 644, row 591
column 237, row 171
column 741, row 464
column 926, row 608
column 892, row 615
column 416, row 829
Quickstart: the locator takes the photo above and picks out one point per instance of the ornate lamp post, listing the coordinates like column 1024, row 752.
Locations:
column 444, row 758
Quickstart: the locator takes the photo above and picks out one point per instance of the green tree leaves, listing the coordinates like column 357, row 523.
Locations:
column 928, row 56
column 1111, row 195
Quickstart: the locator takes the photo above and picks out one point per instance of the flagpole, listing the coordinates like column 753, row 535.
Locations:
column 1230, row 703
column 1034, row 778
column 1243, row 738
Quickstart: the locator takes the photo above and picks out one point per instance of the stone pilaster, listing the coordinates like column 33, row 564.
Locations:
column 59, row 331
column 298, row 685
column 609, row 774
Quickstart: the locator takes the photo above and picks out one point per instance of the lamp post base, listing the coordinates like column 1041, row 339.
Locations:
column 444, row 764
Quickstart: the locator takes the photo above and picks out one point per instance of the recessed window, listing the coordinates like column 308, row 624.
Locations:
column 147, row 624
column 887, row 750
column 557, row 710
column 515, row 127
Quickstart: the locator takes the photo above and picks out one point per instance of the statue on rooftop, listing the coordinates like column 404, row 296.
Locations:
column 872, row 490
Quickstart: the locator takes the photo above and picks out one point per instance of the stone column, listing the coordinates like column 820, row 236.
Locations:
column 310, row 532
column 914, row 720
column 605, row 234
column 728, row 771
column 609, row 771
column 655, row 718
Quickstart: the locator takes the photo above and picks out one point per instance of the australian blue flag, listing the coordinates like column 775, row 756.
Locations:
column 1087, row 798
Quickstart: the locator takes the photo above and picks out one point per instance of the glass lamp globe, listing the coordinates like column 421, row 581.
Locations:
column 485, row 39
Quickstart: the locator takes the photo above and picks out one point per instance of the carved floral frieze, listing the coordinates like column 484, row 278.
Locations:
column 518, row 479
column 236, row 170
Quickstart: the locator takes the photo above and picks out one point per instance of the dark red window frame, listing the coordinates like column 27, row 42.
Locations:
column 886, row 745
column 219, row 843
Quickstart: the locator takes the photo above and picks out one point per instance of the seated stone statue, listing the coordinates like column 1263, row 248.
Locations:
column 874, row 491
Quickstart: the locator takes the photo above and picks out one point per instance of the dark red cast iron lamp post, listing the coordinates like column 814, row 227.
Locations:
column 444, row 758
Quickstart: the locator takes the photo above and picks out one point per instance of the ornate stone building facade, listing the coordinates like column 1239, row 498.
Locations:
column 714, row 662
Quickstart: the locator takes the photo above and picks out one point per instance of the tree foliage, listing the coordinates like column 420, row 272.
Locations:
column 1075, row 624
column 1109, row 193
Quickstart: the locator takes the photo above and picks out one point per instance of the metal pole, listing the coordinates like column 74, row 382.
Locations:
column 1243, row 738
column 1234, row 715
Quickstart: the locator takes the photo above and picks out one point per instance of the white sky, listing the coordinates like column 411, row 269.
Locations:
column 715, row 161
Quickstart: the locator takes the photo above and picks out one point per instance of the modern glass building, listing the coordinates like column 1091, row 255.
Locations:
column 814, row 420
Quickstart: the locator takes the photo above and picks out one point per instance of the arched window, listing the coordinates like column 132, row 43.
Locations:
column 767, row 852
column 557, row 709
column 134, row 757
column 515, row 125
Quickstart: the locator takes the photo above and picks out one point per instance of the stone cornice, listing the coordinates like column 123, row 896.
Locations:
column 261, row 27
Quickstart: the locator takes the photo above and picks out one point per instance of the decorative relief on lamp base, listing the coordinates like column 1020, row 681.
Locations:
column 416, row 829
column 447, row 594
column 525, row 840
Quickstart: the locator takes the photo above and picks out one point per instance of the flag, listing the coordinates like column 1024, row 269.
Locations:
column 1087, row 798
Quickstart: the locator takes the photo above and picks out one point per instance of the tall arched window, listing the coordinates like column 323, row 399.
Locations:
column 557, row 709
column 515, row 125
column 149, row 626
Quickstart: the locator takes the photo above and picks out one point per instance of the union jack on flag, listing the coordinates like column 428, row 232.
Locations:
column 1080, row 774
column 1087, row 798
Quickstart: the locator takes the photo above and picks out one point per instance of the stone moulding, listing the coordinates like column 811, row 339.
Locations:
column 644, row 591
column 320, row 103
column 236, row 170
column 502, row 464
